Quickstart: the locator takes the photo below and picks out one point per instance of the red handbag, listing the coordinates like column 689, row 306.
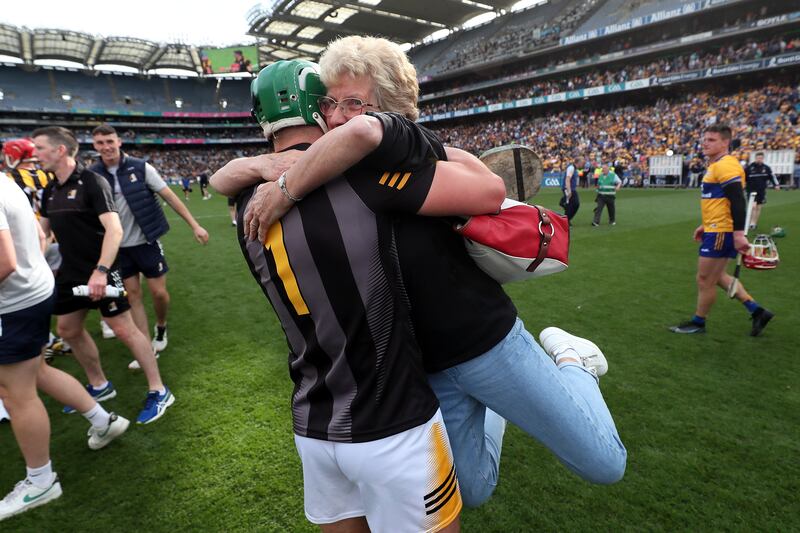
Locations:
column 520, row 242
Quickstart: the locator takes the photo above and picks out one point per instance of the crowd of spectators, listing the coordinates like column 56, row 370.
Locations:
column 765, row 118
column 620, row 43
column 177, row 163
column 514, row 39
column 695, row 60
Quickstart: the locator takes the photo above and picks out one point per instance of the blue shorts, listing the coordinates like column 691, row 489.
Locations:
column 717, row 245
column 24, row 333
column 147, row 259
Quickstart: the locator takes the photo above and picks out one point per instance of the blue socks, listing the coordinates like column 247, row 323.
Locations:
column 700, row 321
column 751, row 306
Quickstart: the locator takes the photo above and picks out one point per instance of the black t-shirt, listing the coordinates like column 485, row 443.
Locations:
column 758, row 176
column 458, row 311
column 73, row 209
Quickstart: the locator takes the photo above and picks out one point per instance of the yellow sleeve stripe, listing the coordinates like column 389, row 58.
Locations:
column 404, row 180
column 395, row 176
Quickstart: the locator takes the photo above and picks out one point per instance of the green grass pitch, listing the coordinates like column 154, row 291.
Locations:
column 710, row 422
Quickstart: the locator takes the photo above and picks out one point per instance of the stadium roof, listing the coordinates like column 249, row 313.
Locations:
column 90, row 50
column 302, row 28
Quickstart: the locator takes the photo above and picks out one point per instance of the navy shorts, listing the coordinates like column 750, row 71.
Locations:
column 66, row 302
column 717, row 245
column 761, row 194
column 231, row 202
column 24, row 333
column 147, row 259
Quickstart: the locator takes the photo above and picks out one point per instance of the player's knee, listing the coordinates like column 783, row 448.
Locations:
column 69, row 332
column 705, row 281
column 608, row 472
column 134, row 293
column 161, row 294
column 124, row 330
column 477, row 487
column 476, row 494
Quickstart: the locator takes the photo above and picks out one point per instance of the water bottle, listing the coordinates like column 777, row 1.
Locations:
column 111, row 291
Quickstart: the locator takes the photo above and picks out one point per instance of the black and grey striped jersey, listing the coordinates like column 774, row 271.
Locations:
column 329, row 269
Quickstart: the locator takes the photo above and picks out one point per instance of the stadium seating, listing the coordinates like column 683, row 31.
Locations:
column 614, row 11
column 42, row 90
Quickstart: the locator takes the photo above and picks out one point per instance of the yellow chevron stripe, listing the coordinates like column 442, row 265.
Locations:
column 450, row 505
column 384, row 178
column 403, row 181
column 394, row 179
column 274, row 243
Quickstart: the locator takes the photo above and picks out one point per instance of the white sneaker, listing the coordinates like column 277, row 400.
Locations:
column 555, row 341
column 100, row 438
column 159, row 339
column 26, row 496
column 108, row 333
column 134, row 365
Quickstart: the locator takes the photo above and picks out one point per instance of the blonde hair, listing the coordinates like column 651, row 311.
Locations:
column 394, row 77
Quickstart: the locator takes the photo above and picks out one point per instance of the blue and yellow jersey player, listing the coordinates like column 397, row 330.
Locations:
column 722, row 233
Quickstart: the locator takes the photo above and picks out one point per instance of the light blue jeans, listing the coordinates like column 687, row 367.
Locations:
column 561, row 407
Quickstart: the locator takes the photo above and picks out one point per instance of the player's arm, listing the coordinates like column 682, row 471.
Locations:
column 8, row 256
column 108, row 253
column 463, row 185
column 328, row 157
column 617, row 182
column 735, row 194
column 243, row 172
column 773, row 178
column 383, row 141
column 334, row 153
column 568, row 181
column 200, row 234
column 101, row 200
column 44, row 223
column 156, row 183
column 42, row 236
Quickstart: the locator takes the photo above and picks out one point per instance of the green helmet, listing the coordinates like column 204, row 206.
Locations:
column 285, row 94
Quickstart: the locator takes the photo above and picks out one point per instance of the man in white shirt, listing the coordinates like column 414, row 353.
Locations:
column 26, row 303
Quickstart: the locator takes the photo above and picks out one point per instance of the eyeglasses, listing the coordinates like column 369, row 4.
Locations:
column 349, row 106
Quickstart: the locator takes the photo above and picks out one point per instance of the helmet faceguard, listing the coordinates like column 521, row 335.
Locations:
column 763, row 254
column 285, row 94
column 18, row 151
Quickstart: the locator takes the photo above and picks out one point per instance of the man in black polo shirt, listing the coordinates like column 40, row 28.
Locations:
column 78, row 207
column 757, row 176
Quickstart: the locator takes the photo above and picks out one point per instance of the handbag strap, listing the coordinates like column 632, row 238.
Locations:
column 544, row 238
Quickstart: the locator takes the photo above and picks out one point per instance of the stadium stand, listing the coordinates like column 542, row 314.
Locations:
column 43, row 90
column 767, row 118
column 614, row 11
column 560, row 55
column 511, row 34
column 699, row 58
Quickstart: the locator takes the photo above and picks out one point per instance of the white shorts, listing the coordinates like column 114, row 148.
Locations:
column 403, row 483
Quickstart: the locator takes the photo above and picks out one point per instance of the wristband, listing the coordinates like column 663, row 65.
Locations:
column 101, row 268
column 282, row 187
